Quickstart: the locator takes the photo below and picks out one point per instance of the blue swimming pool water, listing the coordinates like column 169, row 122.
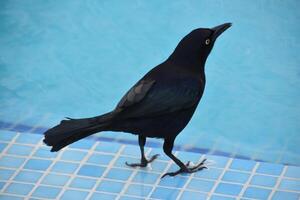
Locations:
column 76, row 59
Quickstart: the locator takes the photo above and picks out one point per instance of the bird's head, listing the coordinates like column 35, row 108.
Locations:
column 195, row 47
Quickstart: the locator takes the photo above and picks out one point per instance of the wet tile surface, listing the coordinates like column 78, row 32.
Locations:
column 97, row 170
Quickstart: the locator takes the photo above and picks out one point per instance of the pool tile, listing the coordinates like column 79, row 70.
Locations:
column 132, row 150
column 46, row 192
column 165, row 193
column 7, row 135
column 237, row 177
column 84, row 183
column 211, row 173
column 119, row 174
column 74, row 195
column 261, row 180
column 279, row 195
column 158, row 166
column 64, row 167
column 2, row 184
column 189, row 156
column 55, row 179
column 3, row 145
column 37, row 164
column 71, row 155
column 110, row 186
column 28, row 138
column 108, row 147
column 293, row 172
column 12, row 162
column 219, row 161
column 91, row 170
column 102, row 196
column 20, row 150
column 83, row 144
column 269, row 168
column 145, row 177
column 5, row 174
column 162, row 156
column 243, row 165
column 19, row 188
column 220, row 197
column 174, row 168
column 201, row 185
column 120, row 162
column 287, row 184
column 124, row 197
column 28, row 176
column 177, row 181
column 45, row 153
column 256, row 193
column 227, row 188
column 138, row 190
column 9, row 197
column 188, row 195
column 100, row 159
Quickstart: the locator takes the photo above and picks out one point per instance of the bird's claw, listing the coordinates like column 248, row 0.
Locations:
column 153, row 158
column 143, row 163
column 188, row 170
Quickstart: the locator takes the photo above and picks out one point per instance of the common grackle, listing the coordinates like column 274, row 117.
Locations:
column 159, row 105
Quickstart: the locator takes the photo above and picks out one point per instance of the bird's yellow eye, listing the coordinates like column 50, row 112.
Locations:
column 207, row 41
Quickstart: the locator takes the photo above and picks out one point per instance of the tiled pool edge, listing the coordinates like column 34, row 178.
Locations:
column 226, row 179
column 23, row 128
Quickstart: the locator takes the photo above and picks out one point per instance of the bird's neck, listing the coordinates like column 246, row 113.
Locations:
column 195, row 66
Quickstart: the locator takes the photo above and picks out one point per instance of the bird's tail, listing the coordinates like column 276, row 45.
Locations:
column 72, row 130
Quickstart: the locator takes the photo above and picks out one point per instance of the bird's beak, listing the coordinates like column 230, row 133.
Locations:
column 218, row 30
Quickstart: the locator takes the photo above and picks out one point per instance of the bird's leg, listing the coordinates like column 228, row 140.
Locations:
column 168, row 146
column 144, row 161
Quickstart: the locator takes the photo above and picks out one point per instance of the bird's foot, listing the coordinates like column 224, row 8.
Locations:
column 143, row 163
column 188, row 169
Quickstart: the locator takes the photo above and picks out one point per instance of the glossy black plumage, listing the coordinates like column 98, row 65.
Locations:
column 159, row 105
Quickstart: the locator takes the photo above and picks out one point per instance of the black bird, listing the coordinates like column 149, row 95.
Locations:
column 159, row 105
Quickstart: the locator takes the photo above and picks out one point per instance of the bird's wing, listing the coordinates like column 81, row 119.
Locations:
column 135, row 94
column 148, row 98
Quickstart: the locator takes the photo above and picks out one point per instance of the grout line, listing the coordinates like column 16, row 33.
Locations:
column 110, row 165
column 67, row 174
column 146, row 184
column 190, row 177
column 170, row 187
column 128, row 182
column 14, row 128
column 18, row 169
column 73, row 175
column 277, row 183
column 9, row 144
column 232, row 196
column 123, row 155
column 170, row 162
column 129, row 156
column 155, row 172
column 210, row 193
column 45, row 173
column 247, row 183
column 21, row 196
column 115, row 194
